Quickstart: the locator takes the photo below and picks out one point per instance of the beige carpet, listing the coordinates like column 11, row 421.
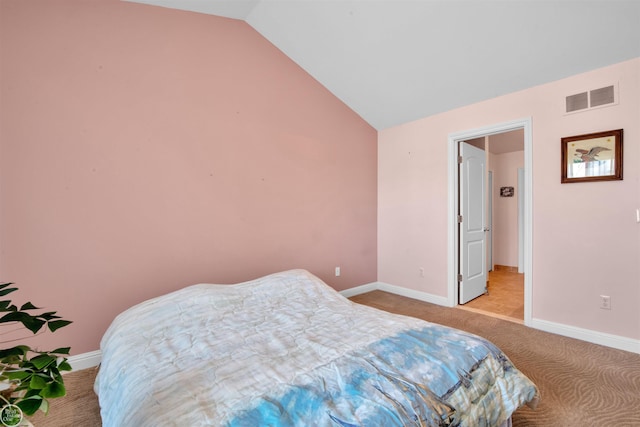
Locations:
column 581, row 384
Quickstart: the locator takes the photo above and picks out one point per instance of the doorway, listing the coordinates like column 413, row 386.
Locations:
column 523, row 125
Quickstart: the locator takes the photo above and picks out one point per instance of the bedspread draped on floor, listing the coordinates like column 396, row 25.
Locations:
column 286, row 349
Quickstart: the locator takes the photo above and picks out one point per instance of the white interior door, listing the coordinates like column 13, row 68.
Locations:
column 473, row 264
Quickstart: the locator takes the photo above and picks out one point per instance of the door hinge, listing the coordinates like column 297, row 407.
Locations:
column 459, row 277
column 459, row 219
column 459, row 160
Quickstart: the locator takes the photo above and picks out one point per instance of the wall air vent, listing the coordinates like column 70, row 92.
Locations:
column 579, row 101
column 602, row 96
column 594, row 98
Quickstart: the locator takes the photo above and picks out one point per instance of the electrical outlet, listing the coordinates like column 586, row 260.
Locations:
column 605, row 302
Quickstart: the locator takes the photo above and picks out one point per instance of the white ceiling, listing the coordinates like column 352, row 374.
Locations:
column 394, row 61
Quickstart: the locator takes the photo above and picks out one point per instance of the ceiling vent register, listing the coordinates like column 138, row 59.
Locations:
column 601, row 97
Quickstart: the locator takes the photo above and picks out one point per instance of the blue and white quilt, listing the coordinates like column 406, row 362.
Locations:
column 288, row 350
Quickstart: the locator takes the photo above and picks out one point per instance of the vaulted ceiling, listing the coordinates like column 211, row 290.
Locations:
column 394, row 61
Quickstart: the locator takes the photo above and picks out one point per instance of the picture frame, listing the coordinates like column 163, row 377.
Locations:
column 592, row 157
column 506, row 192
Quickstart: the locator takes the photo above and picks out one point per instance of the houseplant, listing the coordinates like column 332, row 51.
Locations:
column 28, row 377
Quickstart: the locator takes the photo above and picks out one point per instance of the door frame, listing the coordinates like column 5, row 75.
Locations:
column 521, row 181
column 489, row 224
column 452, row 229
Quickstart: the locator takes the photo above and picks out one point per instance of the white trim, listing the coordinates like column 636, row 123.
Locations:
column 85, row 360
column 521, row 190
column 411, row 293
column 452, row 230
column 398, row 290
column 363, row 289
column 595, row 337
column 528, row 221
column 489, row 219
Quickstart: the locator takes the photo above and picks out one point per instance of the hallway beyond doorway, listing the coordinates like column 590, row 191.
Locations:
column 505, row 298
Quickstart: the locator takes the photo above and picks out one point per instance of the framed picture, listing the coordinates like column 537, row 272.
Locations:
column 592, row 157
column 506, row 191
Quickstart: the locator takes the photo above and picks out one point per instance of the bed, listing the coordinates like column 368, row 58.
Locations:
column 288, row 350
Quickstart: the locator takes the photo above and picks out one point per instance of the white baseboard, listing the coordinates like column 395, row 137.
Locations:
column 595, row 337
column 85, row 360
column 363, row 289
column 409, row 293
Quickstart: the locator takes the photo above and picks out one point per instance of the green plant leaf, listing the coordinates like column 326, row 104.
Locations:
column 53, row 390
column 8, row 307
column 32, row 323
column 64, row 366
column 42, row 361
column 61, row 350
column 57, row 324
column 18, row 350
column 13, row 360
column 32, row 393
column 28, row 306
column 5, row 291
column 16, row 375
column 49, row 315
column 30, row 405
column 37, row 382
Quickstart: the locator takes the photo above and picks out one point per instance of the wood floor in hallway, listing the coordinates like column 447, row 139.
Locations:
column 505, row 298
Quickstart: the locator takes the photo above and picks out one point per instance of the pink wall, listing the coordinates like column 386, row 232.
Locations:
column 586, row 241
column 144, row 149
column 505, row 209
